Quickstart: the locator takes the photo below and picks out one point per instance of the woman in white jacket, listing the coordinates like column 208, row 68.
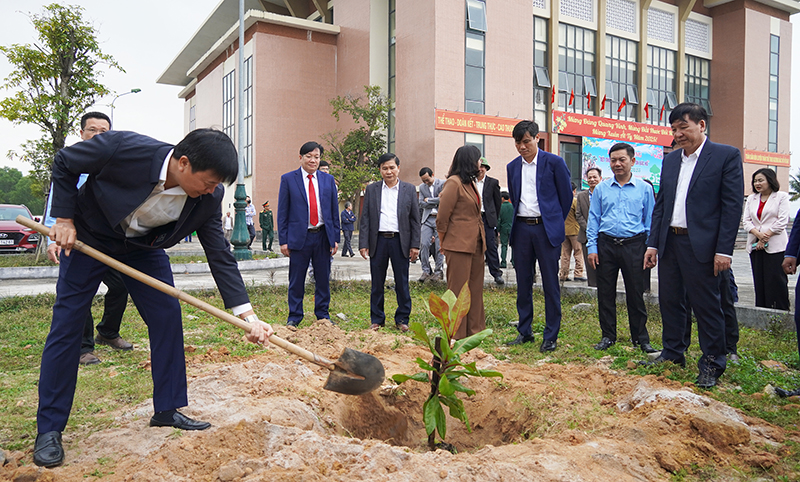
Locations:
column 766, row 215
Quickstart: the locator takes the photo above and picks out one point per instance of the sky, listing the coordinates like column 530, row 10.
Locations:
column 145, row 36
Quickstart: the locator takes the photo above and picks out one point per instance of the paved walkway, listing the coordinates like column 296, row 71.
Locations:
column 357, row 268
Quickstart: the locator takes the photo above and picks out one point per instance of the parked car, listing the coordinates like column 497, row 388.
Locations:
column 16, row 238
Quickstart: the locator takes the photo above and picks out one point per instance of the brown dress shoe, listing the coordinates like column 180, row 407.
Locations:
column 375, row 327
column 117, row 343
column 88, row 359
column 402, row 327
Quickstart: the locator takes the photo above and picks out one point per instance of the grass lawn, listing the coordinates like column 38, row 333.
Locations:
column 120, row 381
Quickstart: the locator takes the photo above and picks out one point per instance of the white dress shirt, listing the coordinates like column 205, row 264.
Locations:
column 688, row 163
column 479, row 187
column 388, row 217
column 316, row 195
column 161, row 207
column 528, row 196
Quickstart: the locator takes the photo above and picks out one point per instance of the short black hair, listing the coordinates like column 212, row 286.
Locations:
column 388, row 157
column 94, row 115
column 620, row 146
column 465, row 163
column 525, row 126
column 210, row 149
column 696, row 113
column 310, row 146
column 323, row 163
column 425, row 170
column 595, row 168
column 505, row 195
column 770, row 176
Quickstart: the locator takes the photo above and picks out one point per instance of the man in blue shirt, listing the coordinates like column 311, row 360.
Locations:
column 619, row 223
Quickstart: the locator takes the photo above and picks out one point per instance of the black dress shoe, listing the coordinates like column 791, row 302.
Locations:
column 520, row 339
column 706, row 381
column 660, row 359
column 174, row 418
column 499, row 280
column 787, row 393
column 47, row 451
column 548, row 346
column 647, row 348
column 604, row 344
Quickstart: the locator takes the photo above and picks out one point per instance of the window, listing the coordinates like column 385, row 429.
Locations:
column 476, row 140
column 392, row 74
column 661, row 84
column 476, row 15
column 621, row 78
column 541, row 84
column 772, row 126
column 247, row 150
column 576, row 58
column 698, row 79
column 474, row 62
column 228, row 107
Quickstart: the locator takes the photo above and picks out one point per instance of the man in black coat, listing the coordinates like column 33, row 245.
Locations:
column 695, row 222
column 389, row 231
column 489, row 188
column 141, row 197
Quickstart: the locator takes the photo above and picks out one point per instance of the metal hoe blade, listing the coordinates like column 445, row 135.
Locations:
column 355, row 373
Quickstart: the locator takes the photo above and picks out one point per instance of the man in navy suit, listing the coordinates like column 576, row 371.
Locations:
column 790, row 267
column 389, row 230
column 308, row 230
column 694, row 226
column 141, row 196
column 541, row 192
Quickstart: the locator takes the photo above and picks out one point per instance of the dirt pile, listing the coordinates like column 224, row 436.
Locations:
column 272, row 421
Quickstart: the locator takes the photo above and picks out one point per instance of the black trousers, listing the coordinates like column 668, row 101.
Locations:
column 116, row 300
column 626, row 255
column 681, row 274
column 386, row 250
column 727, row 296
column 492, row 258
column 769, row 280
column 591, row 273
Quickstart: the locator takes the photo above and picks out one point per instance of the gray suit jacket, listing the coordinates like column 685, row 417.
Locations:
column 432, row 193
column 582, row 214
column 407, row 217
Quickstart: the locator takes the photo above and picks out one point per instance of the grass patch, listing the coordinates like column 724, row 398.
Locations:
column 120, row 381
column 25, row 260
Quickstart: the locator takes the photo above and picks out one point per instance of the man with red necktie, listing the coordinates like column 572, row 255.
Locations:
column 308, row 230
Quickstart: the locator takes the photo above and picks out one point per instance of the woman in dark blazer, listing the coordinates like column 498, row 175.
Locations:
column 766, row 214
column 461, row 235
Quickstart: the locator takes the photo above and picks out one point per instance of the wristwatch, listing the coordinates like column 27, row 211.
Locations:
column 251, row 318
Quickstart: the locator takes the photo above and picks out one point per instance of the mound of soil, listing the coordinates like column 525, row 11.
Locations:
column 273, row 421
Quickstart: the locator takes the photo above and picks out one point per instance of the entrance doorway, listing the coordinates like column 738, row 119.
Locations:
column 572, row 156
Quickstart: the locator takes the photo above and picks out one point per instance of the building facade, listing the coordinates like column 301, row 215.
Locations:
column 590, row 72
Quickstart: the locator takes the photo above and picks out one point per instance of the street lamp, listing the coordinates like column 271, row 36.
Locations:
column 132, row 91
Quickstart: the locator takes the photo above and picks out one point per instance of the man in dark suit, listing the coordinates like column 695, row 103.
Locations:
column 541, row 192
column 789, row 266
column 116, row 298
column 593, row 177
column 308, row 231
column 141, row 196
column 489, row 189
column 389, row 230
column 695, row 221
column 429, row 192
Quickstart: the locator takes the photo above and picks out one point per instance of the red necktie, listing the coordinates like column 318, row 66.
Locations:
column 312, row 201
